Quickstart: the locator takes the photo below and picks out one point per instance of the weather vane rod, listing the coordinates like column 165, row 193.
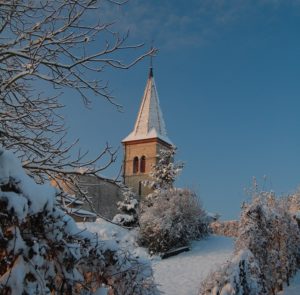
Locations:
column 151, row 60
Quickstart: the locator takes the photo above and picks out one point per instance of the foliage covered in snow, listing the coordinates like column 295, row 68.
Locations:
column 225, row 228
column 293, row 202
column 44, row 252
column 164, row 173
column 175, row 218
column 169, row 217
column 128, row 208
column 239, row 276
column 294, row 286
column 270, row 236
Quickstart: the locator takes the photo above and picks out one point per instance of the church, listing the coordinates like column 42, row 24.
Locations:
column 144, row 143
column 141, row 149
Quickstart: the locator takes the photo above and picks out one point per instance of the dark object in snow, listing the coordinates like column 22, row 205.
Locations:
column 174, row 252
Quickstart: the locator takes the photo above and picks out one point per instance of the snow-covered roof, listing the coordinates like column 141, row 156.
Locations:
column 150, row 122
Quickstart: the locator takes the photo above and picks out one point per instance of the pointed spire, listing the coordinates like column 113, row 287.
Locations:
column 149, row 122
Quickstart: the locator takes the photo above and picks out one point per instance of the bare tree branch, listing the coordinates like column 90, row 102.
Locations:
column 59, row 44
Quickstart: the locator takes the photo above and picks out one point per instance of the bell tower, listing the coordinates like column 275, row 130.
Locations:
column 143, row 144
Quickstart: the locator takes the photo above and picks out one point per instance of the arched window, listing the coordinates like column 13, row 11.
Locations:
column 135, row 165
column 143, row 164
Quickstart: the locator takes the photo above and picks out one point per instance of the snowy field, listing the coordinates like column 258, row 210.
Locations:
column 182, row 274
column 177, row 275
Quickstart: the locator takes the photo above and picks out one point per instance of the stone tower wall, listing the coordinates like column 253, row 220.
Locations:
column 149, row 148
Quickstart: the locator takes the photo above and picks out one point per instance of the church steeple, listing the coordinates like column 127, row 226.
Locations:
column 148, row 138
column 150, row 122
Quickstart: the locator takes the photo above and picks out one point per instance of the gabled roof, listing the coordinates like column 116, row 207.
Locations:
column 150, row 122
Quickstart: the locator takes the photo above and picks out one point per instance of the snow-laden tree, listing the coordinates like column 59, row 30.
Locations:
column 175, row 218
column 271, row 236
column 164, row 173
column 56, row 45
column 271, row 233
column 293, row 202
column 42, row 251
column 169, row 217
column 225, row 228
column 239, row 276
column 128, row 208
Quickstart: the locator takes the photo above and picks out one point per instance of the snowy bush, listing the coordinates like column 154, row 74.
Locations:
column 44, row 252
column 293, row 204
column 169, row 217
column 240, row 276
column 175, row 218
column 269, row 233
column 225, row 228
column 128, row 208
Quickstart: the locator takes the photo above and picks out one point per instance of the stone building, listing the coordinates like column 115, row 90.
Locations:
column 142, row 145
column 102, row 193
column 141, row 149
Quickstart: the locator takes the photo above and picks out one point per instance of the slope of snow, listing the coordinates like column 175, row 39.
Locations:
column 115, row 235
column 182, row 274
column 177, row 275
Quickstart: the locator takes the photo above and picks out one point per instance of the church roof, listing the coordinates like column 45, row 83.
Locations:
column 150, row 122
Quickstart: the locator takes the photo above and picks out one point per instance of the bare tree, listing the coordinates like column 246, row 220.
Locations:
column 56, row 44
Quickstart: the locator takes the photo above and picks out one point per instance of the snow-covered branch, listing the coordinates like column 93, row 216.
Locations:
column 60, row 44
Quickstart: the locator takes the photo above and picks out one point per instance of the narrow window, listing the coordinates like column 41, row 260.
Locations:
column 135, row 165
column 143, row 164
column 140, row 188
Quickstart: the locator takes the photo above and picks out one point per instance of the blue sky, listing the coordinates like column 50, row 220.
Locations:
column 228, row 78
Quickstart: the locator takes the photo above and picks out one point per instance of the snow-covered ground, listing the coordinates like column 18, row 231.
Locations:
column 294, row 288
column 182, row 274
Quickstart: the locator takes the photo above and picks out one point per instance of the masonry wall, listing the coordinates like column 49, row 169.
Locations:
column 104, row 195
column 149, row 148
